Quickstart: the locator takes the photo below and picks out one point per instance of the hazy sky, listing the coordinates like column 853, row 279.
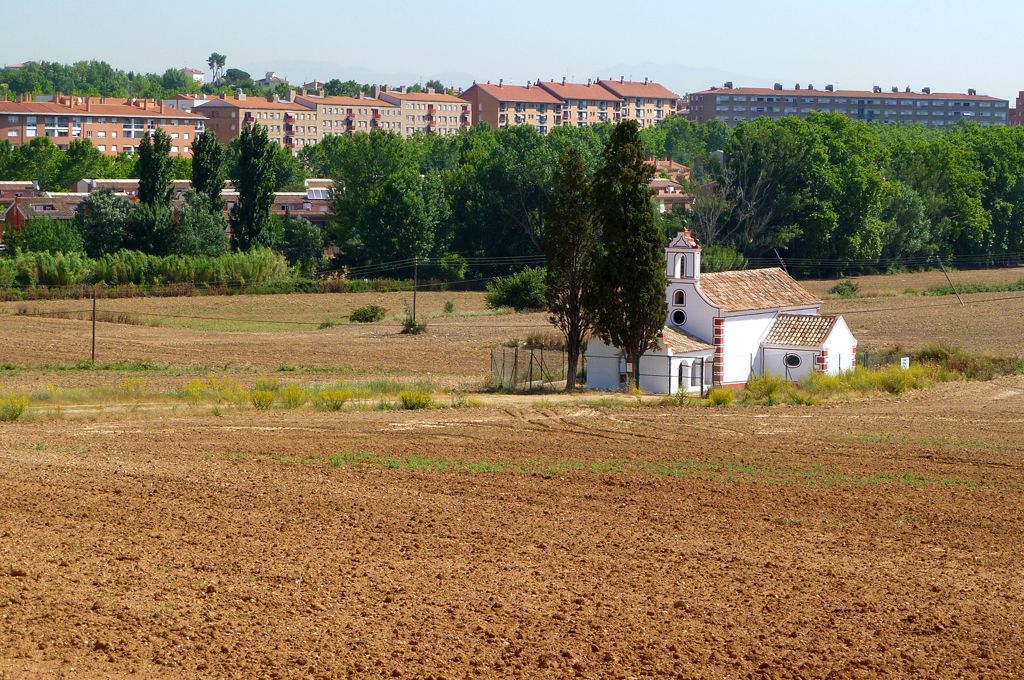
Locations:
column 945, row 44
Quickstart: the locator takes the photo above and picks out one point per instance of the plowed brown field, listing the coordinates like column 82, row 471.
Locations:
column 877, row 537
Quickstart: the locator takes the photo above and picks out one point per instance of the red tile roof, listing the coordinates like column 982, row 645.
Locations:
column 348, row 101
column 425, row 97
column 627, row 88
column 256, row 103
column 681, row 342
column 755, row 289
column 95, row 109
column 800, row 330
column 885, row 94
column 578, row 91
column 516, row 93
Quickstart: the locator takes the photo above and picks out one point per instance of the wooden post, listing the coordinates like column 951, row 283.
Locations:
column 943, row 268
column 94, row 324
column 415, row 284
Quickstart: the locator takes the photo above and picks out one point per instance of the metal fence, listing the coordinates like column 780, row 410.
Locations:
column 526, row 369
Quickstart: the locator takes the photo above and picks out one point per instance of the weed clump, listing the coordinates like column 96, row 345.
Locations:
column 413, row 399
column 721, row 396
column 847, row 288
column 293, row 396
column 262, row 399
column 367, row 314
column 449, row 306
column 331, row 399
column 12, row 406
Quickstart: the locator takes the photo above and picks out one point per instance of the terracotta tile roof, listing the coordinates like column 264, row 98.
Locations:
column 800, row 330
column 95, row 109
column 54, row 207
column 348, row 101
column 684, row 239
column 257, row 103
column 754, row 289
column 885, row 94
column 516, row 93
column 681, row 342
column 425, row 97
column 627, row 88
column 578, row 91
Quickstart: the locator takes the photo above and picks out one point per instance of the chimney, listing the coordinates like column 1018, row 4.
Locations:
column 501, row 82
column 239, row 95
column 972, row 93
column 926, row 90
column 895, row 90
column 223, row 96
column 88, row 104
column 430, row 90
column 645, row 81
column 728, row 85
column 778, row 87
column 907, row 90
column 589, row 82
column 622, row 79
column 375, row 91
column 876, row 89
column 830, row 88
column 563, row 80
column 797, row 86
column 810, row 87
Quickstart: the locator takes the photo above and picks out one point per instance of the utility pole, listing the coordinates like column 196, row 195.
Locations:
column 94, row 323
column 943, row 268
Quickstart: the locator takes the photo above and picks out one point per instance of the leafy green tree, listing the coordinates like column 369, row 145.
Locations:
column 42, row 234
column 174, row 79
column 148, row 228
column 208, row 168
column 198, row 228
column 155, row 169
column 397, row 221
column 101, row 218
column 216, row 63
column 302, row 243
column 254, row 180
column 627, row 292
column 82, row 160
column 570, row 247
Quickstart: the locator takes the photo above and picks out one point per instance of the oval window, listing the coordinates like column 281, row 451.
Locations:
column 793, row 360
column 679, row 317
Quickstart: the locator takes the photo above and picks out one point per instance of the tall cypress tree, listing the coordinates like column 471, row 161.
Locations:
column 254, row 180
column 627, row 294
column 155, row 169
column 570, row 246
column 208, row 168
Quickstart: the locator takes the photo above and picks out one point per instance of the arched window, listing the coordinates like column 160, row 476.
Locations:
column 679, row 298
column 680, row 266
column 678, row 317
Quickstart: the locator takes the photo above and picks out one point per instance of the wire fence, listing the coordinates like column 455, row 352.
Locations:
column 532, row 369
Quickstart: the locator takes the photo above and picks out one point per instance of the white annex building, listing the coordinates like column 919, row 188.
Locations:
column 725, row 328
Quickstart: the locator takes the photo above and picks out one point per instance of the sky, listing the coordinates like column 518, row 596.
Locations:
column 688, row 46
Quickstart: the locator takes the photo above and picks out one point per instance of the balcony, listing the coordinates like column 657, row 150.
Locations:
column 376, row 115
column 289, row 141
column 350, row 115
column 289, row 118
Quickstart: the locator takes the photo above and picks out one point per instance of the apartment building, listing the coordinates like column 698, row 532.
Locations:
column 292, row 124
column 429, row 111
column 112, row 125
column 934, row 109
column 341, row 115
column 1017, row 112
column 645, row 102
column 503, row 105
column 584, row 105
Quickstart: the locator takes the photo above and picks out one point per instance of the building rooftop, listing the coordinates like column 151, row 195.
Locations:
column 424, row 96
column 681, row 342
column 96, row 106
column 648, row 89
column 347, row 101
column 578, row 91
column 755, row 289
column 257, row 103
column 868, row 94
column 518, row 93
column 800, row 330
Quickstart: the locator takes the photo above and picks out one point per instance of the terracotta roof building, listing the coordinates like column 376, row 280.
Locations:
column 340, row 115
column 800, row 330
column 646, row 102
column 1017, row 112
column 112, row 125
column 503, row 105
column 934, row 109
column 753, row 289
column 429, row 111
column 584, row 104
column 292, row 124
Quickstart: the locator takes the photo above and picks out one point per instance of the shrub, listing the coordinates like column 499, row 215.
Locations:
column 768, row 389
column 367, row 314
column 847, row 288
column 293, row 396
column 415, row 399
column 721, row 396
column 267, row 385
column 413, row 326
column 449, row 306
column 262, row 399
column 523, row 291
column 452, row 267
column 331, row 399
column 12, row 406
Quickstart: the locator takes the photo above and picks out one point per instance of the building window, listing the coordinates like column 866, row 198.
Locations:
column 678, row 317
column 679, row 298
column 793, row 361
column 12, row 133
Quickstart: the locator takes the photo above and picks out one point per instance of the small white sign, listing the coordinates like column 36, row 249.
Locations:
column 904, row 362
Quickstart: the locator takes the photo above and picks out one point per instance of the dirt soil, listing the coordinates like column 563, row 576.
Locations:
column 854, row 540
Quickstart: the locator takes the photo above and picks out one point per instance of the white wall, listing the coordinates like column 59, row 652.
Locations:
column 602, row 366
column 775, row 363
column 659, row 371
column 840, row 344
column 742, row 339
column 700, row 314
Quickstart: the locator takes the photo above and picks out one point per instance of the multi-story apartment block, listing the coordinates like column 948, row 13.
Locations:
column 503, row 105
column 341, row 115
column 1017, row 112
column 645, row 102
column 429, row 111
column 112, row 125
column 934, row 109
column 292, row 124
column 584, row 105
column 548, row 104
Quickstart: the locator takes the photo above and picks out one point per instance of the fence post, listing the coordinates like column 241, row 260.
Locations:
column 515, row 369
column 94, row 324
column 542, row 368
